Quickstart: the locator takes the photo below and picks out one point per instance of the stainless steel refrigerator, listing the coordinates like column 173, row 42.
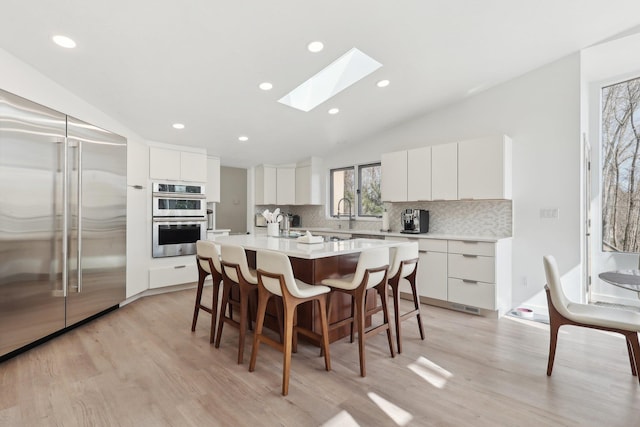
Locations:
column 62, row 221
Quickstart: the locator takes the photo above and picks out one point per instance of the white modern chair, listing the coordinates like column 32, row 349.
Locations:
column 275, row 277
column 371, row 273
column 208, row 262
column 564, row 312
column 404, row 266
column 235, row 270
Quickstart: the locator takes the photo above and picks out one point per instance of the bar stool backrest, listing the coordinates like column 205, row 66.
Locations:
column 277, row 263
column 371, row 259
column 234, row 254
column 208, row 249
column 401, row 253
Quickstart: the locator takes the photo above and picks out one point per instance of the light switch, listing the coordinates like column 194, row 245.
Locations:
column 549, row 213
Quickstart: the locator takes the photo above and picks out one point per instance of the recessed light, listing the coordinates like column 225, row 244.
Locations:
column 243, row 138
column 383, row 83
column 265, row 86
column 64, row 41
column 178, row 126
column 334, row 111
column 315, row 47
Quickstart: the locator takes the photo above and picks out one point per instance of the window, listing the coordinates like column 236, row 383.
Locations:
column 344, row 185
column 621, row 167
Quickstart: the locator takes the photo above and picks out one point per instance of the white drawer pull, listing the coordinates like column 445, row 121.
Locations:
column 180, row 266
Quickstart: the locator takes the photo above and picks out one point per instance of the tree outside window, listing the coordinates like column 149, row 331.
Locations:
column 621, row 167
column 344, row 185
column 370, row 194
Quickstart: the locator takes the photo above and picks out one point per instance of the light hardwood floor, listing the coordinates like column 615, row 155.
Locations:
column 142, row 366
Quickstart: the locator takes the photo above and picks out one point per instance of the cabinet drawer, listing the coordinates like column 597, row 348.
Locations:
column 472, row 267
column 173, row 275
column 471, row 247
column 476, row 294
column 432, row 245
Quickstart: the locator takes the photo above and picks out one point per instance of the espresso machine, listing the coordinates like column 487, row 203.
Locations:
column 415, row 221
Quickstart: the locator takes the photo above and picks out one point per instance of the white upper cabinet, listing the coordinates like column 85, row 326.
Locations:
column 265, row 185
column 419, row 174
column 286, row 185
column 213, row 179
column 309, row 182
column 193, row 166
column 393, row 184
column 444, row 172
column 484, row 168
column 177, row 165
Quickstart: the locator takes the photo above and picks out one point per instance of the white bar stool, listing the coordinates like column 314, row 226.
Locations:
column 208, row 262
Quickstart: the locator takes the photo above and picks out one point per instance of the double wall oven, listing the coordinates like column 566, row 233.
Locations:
column 179, row 219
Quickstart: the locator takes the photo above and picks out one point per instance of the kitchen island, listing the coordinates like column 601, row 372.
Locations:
column 313, row 263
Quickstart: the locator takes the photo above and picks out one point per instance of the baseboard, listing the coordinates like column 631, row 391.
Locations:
column 633, row 302
column 163, row 290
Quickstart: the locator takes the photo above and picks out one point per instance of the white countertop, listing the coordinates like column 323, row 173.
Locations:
column 218, row 230
column 477, row 238
column 291, row 247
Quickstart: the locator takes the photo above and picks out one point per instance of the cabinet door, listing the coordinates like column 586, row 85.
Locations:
column 484, row 168
column 303, row 185
column 286, row 186
column 265, row 185
column 419, row 174
column 432, row 275
column 193, row 167
column 213, row 179
column 444, row 172
column 163, row 164
column 394, row 177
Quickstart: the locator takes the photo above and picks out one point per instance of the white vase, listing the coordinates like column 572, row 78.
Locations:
column 273, row 229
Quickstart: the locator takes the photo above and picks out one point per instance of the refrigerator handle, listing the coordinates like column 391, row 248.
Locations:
column 65, row 219
column 79, row 198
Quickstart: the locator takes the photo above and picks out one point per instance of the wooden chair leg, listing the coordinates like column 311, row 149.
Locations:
column 416, row 305
column 553, row 329
column 352, row 307
column 384, row 297
column 214, row 309
column 634, row 353
column 289, row 312
column 263, row 299
column 294, row 336
column 395, row 289
column 226, row 294
column 325, row 331
column 201, row 276
column 360, row 295
column 244, row 313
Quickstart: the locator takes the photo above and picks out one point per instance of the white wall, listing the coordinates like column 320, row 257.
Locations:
column 540, row 111
column 23, row 80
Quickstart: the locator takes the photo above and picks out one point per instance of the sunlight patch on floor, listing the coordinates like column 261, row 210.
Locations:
column 434, row 374
column 396, row 413
column 341, row 419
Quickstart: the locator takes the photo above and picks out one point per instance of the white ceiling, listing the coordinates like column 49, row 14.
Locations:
column 151, row 63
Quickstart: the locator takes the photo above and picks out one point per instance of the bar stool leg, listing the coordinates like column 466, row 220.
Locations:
column 201, row 276
column 263, row 299
column 244, row 308
column 416, row 305
column 360, row 295
column 384, row 297
column 214, row 308
column 325, row 331
column 226, row 291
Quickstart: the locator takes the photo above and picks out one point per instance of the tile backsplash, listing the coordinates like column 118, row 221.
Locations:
column 463, row 218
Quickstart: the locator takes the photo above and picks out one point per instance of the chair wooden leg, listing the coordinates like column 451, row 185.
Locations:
column 244, row 313
column 325, row 331
column 634, row 353
column 553, row 329
column 289, row 312
column 226, row 294
column 214, row 309
column 352, row 308
column 384, row 297
column 263, row 299
column 294, row 336
column 201, row 276
column 360, row 295
column 416, row 305
column 396, row 314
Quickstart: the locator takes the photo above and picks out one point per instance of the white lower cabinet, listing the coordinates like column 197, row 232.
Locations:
column 467, row 275
column 185, row 272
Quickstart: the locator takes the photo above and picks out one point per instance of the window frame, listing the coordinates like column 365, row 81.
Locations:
column 357, row 208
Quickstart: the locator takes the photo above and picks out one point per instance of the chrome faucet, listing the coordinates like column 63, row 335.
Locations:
column 344, row 199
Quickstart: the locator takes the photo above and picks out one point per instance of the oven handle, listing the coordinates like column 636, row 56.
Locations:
column 179, row 195
column 183, row 219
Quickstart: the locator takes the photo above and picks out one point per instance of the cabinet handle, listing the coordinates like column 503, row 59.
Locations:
column 472, row 282
column 423, row 251
column 469, row 256
column 469, row 242
column 179, row 266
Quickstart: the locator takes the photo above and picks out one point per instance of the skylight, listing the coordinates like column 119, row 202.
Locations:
column 336, row 77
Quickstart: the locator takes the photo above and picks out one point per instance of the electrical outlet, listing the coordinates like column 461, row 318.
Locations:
column 549, row 213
